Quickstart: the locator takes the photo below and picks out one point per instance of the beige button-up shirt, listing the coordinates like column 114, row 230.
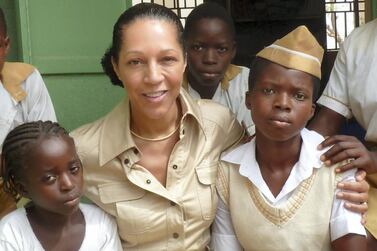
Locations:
column 149, row 215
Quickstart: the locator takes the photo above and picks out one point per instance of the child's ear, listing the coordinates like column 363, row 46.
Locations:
column 6, row 45
column 248, row 100
column 312, row 111
column 234, row 49
column 21, row 189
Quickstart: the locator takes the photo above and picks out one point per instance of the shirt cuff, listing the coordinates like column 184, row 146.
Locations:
column 346, row 224
column 335, row 105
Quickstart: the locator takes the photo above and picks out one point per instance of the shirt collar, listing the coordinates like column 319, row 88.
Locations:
column 12, row 76
column 116, row 135
column 231, row 72
column 244, row 155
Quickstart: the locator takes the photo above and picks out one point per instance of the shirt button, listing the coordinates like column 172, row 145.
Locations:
column 172, row 203
column 175, row 166
column 148, row 181
column 183, row 131
column 175, row 235
column 136, row 151
column 126, row 161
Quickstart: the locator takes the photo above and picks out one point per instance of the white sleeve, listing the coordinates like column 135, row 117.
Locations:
column 6, row 246
column 335, row 96
column 223, row 237
column 342, row 220
column 38, row 102
column 112, row 242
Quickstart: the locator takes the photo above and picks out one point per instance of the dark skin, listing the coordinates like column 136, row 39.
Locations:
column 344, row 147
column 211, row 48
column 54, row 184
column 281, row 104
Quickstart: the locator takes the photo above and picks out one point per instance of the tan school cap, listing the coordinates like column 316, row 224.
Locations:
column 297, row 50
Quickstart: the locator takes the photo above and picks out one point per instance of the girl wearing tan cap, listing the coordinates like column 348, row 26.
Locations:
column 276, row 193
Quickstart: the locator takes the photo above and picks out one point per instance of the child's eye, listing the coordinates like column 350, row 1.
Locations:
column 268, row 91
column 49, row 179
column 197, row 47
column 300, row 96
column 222, row 49
column 74, row 169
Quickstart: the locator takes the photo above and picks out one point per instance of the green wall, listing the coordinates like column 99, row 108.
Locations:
column 374, row 8
column 65, row 40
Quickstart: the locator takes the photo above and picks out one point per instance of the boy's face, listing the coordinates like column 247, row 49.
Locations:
column 54, row 180
column 211, row 49
column 4, row 47
column 281, row 102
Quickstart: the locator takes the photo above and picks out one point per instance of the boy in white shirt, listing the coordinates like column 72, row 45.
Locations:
column 23, row 98
column 211, row 46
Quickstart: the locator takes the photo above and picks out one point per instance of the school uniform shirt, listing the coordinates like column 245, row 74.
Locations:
column 306, row 204
column 16, row 233
column 149, row 215
column 352, row 91
column 23, row 98
column 231, row 93
column 22, row 102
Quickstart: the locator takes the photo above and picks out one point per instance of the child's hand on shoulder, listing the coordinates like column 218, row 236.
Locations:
column 348, row 147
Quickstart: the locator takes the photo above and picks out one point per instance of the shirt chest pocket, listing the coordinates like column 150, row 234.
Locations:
column 131, row 205
column 206, row 190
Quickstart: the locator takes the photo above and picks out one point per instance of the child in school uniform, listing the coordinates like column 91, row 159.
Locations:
column 275, row 192
column 40, row 163
column 209, row 36
column 23, row 98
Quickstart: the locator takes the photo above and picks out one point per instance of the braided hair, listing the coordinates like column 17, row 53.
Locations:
column 17, row 147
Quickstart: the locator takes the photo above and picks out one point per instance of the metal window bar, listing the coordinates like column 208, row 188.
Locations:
column 181, row 7
column 342, row 16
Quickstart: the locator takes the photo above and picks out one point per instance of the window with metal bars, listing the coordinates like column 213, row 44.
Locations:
column 181, row 7
column 342, row 16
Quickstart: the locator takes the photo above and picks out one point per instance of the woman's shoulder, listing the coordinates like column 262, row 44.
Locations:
column 87, row 137
column 215, row 112
column 88, row 130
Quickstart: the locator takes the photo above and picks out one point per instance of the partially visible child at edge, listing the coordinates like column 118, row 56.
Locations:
column 23, row 98
column 209, row 35
column 40, row 163
column 286, row 194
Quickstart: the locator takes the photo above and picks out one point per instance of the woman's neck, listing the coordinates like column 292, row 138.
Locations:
column 156, row 128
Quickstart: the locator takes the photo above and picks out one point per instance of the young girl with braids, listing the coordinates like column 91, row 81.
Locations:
column 39, row 162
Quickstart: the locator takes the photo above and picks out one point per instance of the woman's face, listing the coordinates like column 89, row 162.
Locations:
column 151, row 65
